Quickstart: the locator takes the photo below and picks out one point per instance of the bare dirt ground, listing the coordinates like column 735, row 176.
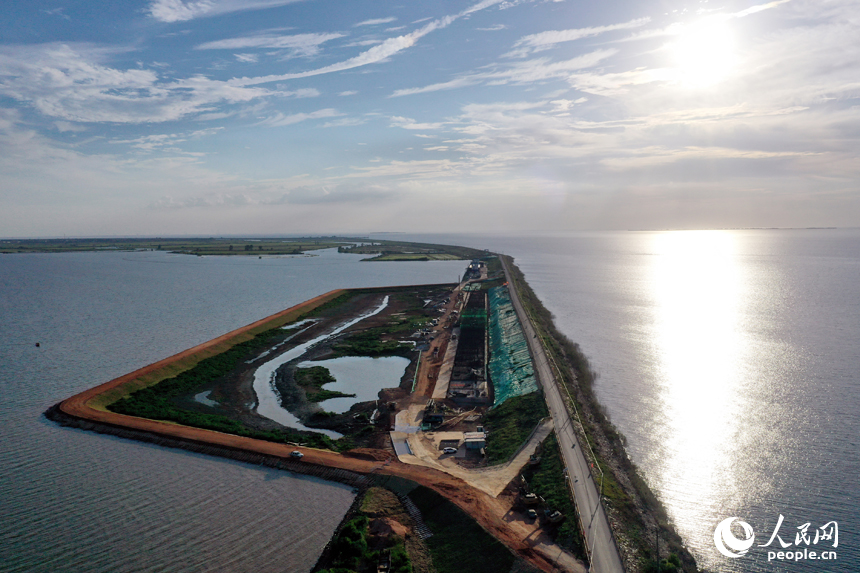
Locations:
column 491, row 480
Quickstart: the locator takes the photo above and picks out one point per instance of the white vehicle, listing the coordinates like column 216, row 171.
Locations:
column 449, row 451
column 296, row 454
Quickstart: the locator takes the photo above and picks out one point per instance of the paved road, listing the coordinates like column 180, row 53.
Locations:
column 604, row 555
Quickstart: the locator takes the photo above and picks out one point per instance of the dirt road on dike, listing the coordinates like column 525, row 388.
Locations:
column 493, row 514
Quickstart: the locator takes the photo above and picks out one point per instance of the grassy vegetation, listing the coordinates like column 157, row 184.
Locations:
column 370, row 343
column 491, row 283
column 380, row 502
column 401, row 251
column 323, row 309
column 548, row 481
column 511, row 423
column 355, row 549
column 415, row 257
column 607, row 442
column 384, row 250
column 312, row 379
column 494, row 267
column 190, row 246
column 103, row 400
column 157, row 402
column 459, row 544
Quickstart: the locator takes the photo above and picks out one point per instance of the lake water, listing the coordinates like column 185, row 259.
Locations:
column 73, row 501
column 731, row 362
column 268, row 398
column 359, row 375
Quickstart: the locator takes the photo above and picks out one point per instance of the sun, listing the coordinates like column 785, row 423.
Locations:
column 704, row 52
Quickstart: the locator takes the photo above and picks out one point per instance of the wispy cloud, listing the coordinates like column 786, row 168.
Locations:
column 346, row 122
column 65, row 126
column 520, row 73
column 163, row 141
column 70, row 83
column 56, row 12
column 654, row 156
column 407, row 123
column 759, row 8
column 545, row 40
column 300, row 93
column 182, row 10
column 280, row 119
column 376, row 21
column 297, row 44
column 378, row 53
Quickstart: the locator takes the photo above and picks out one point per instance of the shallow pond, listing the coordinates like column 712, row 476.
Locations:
column 360, row 375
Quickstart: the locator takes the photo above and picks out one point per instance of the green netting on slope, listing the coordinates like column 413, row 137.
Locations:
column 473, row 318
column 510, row 364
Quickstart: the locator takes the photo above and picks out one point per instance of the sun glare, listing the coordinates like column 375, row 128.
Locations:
column 704, row 52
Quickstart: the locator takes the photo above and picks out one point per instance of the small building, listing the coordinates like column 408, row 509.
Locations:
column 475, row 440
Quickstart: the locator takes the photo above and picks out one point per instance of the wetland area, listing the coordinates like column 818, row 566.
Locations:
column 422, row 390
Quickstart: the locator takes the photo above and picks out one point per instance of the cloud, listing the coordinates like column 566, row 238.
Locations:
column 48, row 187
column 613, row 84
column 449, row 85
column 56, row 12
column 378, row 53
column 346, row 122
column 759, row 8
column 375, row 21
column 338, row 194
column 300, row 93
column 181, row 11
column 407, row 123
column 70, row 83
column 654, row 155
column 520, row 73
column 280, row 120
column 65, row 126
column 298, row 45
column 246, row 58
column 362, row 43
column 274, row 194
column 548, row 39
column 166, row 141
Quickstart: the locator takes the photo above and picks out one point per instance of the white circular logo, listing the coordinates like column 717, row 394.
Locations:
column 727, row 543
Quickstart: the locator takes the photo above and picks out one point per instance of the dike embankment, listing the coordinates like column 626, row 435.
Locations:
column 636, row 516
column 359, row 469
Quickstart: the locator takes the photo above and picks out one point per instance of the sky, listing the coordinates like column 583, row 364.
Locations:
column 225, row 117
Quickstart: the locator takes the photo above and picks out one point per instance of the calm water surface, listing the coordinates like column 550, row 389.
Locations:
column 731, row 362
column 360, row 375
column 73, row 501
column 728, row 359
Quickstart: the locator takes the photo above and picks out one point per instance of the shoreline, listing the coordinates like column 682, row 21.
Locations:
column 362, row 468
column 357, row 468
column 635, row 514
